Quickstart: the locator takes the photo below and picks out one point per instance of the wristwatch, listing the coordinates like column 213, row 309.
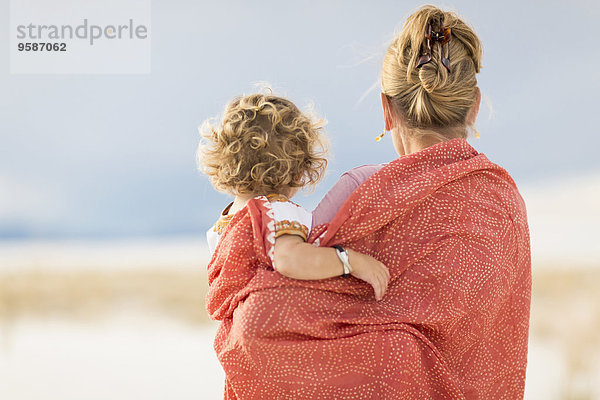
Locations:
column 344, row 258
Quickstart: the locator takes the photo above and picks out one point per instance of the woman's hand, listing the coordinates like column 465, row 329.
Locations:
column 370, row 270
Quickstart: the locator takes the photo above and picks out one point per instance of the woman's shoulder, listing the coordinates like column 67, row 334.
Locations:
column 362, row 173
column 337, row 195
column 491, row 193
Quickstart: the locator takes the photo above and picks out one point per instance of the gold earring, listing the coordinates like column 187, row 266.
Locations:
column 378, row 138
column 471, row 130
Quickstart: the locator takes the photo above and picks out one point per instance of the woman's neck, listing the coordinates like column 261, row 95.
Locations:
column 413, row 146
column 408, row 142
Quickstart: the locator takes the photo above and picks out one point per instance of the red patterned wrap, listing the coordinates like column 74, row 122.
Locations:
column 453, row 324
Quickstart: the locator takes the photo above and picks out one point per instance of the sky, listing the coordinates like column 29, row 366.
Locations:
column 85, row 156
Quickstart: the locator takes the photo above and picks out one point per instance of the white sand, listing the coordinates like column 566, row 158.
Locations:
column 128, row 357
column 135, row 357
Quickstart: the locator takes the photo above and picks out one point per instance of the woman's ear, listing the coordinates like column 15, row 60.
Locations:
column 387, row 112
column 474, row 110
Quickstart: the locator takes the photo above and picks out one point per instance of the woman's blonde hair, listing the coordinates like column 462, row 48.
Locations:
column 431, row 96
column 263, row 145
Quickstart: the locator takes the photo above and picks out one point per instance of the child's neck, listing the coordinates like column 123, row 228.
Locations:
column 239, row 202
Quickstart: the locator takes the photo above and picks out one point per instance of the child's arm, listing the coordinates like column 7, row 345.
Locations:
column 297, row 259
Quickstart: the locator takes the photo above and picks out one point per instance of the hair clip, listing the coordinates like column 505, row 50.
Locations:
column 443, row 37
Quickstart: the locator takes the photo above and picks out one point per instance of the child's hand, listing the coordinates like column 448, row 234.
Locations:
column 370, row 270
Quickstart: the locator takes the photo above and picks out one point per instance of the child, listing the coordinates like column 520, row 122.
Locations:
column 266, row 149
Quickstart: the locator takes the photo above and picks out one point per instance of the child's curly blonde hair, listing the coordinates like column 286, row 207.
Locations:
column 264, row 145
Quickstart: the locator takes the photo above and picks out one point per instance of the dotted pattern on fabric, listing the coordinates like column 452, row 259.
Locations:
column 452, row 228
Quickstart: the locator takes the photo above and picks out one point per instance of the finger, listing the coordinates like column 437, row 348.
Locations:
column 378, row 293
column 380, row 286
column 384, row 284
column 384, row 272
column 387, row 278
column 375, row 284
column 383, row 290
column 386, row 269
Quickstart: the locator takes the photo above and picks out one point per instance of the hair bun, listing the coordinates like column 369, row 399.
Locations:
column 433, row 76
column 427, row 94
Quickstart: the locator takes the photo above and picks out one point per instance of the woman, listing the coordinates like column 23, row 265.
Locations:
column 449, row 224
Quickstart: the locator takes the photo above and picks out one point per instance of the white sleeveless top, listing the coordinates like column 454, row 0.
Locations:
column 289, row 219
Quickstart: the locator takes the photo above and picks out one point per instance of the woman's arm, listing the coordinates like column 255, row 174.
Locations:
column 297, row 259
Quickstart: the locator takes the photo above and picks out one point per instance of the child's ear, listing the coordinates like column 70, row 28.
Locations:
column 298, row 179
column 292, row 192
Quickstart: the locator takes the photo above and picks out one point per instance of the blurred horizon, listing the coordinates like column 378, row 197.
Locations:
column 113, row 156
